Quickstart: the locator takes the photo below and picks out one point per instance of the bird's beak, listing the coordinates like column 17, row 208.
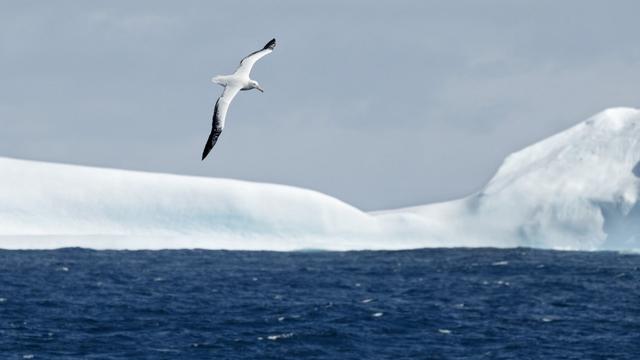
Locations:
column 261, row 89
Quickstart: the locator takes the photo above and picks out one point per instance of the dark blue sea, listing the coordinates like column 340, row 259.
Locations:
column 421, row 304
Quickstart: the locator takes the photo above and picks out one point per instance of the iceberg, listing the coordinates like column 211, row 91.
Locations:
column 576, row 190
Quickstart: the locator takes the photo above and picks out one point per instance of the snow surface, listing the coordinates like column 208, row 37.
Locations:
column 575, row 190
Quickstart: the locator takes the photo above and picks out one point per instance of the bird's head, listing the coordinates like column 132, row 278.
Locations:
column 255, row 85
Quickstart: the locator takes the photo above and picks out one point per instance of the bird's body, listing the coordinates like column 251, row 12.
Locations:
column 233, row 83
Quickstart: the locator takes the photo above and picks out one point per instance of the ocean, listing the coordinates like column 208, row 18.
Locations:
column 419, row 304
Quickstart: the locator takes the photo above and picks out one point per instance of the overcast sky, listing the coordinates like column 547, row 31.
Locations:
column 381, row 104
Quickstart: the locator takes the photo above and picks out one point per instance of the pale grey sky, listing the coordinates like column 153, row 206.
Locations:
column 381, row 104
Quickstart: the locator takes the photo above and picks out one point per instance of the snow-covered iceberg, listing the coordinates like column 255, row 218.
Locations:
column 576, row 190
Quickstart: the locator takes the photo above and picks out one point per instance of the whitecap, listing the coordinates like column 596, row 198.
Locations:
column 280, row 336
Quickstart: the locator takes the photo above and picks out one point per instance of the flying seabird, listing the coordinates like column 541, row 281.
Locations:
column 233, row 83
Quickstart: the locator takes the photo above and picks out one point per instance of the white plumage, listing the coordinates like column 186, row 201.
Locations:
column 233, row 83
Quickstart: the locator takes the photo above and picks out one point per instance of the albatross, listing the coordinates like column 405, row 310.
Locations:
column 233, row 83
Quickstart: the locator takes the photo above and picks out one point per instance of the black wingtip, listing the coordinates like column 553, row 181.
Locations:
column 205, row 153
column 216, row 130
column 211, row 141
column 208, row 146
column 270, row 45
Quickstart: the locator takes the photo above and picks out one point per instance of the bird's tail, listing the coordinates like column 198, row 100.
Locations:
column 220, row 80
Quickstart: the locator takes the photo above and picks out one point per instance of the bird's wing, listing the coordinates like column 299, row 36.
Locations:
column 219, row 114
column 247, row 63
